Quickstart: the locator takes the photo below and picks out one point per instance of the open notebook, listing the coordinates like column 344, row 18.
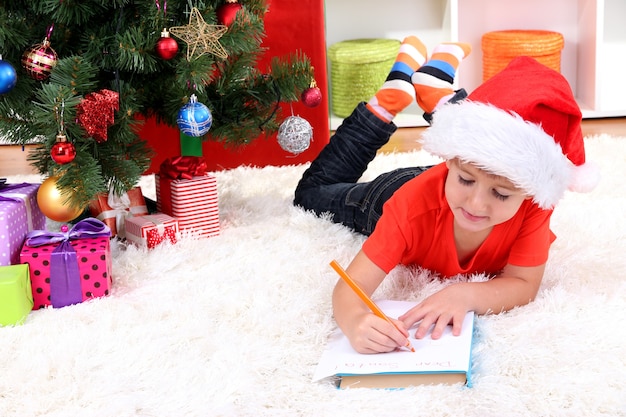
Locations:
column 443, row 361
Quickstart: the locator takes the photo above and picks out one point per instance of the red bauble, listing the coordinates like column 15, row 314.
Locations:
column 226, row 12
column 39, row 61
column 166, row 47
column 63, row 152
column 311, row 97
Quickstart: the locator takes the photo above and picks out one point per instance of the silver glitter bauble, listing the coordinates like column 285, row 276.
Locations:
column 294, row 134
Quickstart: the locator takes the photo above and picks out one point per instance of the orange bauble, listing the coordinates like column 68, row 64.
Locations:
column 52, row 203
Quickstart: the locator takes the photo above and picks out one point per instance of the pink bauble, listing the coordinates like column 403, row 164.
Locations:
column 312, row 97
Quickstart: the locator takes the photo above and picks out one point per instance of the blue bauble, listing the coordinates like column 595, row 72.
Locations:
column 194, row 119
column 8, row 77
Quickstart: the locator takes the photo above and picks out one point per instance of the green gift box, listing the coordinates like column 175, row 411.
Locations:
column 16, row 297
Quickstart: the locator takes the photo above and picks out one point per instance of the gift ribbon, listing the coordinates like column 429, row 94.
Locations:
column 164, row 195
column 183, row 167
column 160, row 229
column 190, row 145
column 160, row 224
column 65, row 288
column 120, row 209
column 18, row 198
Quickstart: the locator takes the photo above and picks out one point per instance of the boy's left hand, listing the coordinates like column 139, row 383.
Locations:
column 447, row 306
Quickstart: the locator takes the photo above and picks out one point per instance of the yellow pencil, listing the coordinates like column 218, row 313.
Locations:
column 368, row 301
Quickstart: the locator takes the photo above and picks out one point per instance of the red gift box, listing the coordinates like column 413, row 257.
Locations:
column 69, row 267
column 185, row 191
column 150, row 230
column 112, row 210
column 193, row 202
column 19, row 214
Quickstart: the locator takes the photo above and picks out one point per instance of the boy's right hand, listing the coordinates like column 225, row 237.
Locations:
column 371, row 334
column 367, row 332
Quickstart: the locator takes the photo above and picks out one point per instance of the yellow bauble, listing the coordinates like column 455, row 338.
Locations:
column 51, row 202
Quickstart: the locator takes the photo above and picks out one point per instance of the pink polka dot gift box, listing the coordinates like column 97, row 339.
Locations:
column 19, row 214
column 70, row 266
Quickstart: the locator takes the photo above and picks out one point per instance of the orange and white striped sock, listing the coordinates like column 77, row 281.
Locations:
column 398, row 92
column 433, row 80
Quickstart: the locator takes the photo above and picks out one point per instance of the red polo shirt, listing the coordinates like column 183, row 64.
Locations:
column 416, row 228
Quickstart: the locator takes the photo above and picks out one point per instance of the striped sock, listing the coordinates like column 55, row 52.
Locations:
column 398, row 92
column 433, row 81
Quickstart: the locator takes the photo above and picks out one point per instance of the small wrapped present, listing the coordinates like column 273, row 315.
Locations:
column 16, row 297
column 151, row 230
column 187, row 192
column 69, row 267
column 113, row 209
column 19, row 214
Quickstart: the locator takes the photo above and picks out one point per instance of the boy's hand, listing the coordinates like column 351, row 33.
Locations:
column 367, row 332
column 371, row 334
column 447, row 306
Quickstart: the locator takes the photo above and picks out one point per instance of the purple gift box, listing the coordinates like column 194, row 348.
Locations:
column 19, row 214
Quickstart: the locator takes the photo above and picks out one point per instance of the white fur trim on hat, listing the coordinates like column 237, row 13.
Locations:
column 585, row 177
column 504, row 144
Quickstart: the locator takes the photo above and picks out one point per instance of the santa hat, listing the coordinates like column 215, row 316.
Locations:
column 522, row 124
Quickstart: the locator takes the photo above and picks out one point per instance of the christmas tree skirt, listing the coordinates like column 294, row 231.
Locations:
column 234, row 325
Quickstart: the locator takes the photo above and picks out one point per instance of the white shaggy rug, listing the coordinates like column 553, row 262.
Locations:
column 234, row 325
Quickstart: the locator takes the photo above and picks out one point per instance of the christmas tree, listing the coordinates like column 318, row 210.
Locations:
column 79, row 76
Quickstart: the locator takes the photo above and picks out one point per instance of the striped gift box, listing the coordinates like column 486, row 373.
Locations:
column 152, row 229
column 193, row 202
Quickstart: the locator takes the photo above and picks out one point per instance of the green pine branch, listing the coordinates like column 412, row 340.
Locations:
column 110, row 44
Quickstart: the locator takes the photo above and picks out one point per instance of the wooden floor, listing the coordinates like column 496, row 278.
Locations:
column 406, row 139
column 13, row 158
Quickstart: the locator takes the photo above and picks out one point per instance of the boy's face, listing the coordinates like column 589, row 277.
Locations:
column 480, row 200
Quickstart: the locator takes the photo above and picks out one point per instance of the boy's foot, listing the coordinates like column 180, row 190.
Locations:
column 459, row 95
column 398, row 92
column 433, row 81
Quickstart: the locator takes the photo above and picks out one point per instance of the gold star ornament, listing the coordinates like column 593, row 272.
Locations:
column 201, row 38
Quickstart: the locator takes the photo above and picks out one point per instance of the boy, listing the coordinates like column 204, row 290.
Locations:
column 511, row 149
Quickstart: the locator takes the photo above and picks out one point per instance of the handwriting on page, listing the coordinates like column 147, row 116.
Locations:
column 390, row 366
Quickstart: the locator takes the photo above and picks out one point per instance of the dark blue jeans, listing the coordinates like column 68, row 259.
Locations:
column 330, row 185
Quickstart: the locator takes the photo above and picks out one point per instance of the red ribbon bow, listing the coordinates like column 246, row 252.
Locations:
column 183, row 167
